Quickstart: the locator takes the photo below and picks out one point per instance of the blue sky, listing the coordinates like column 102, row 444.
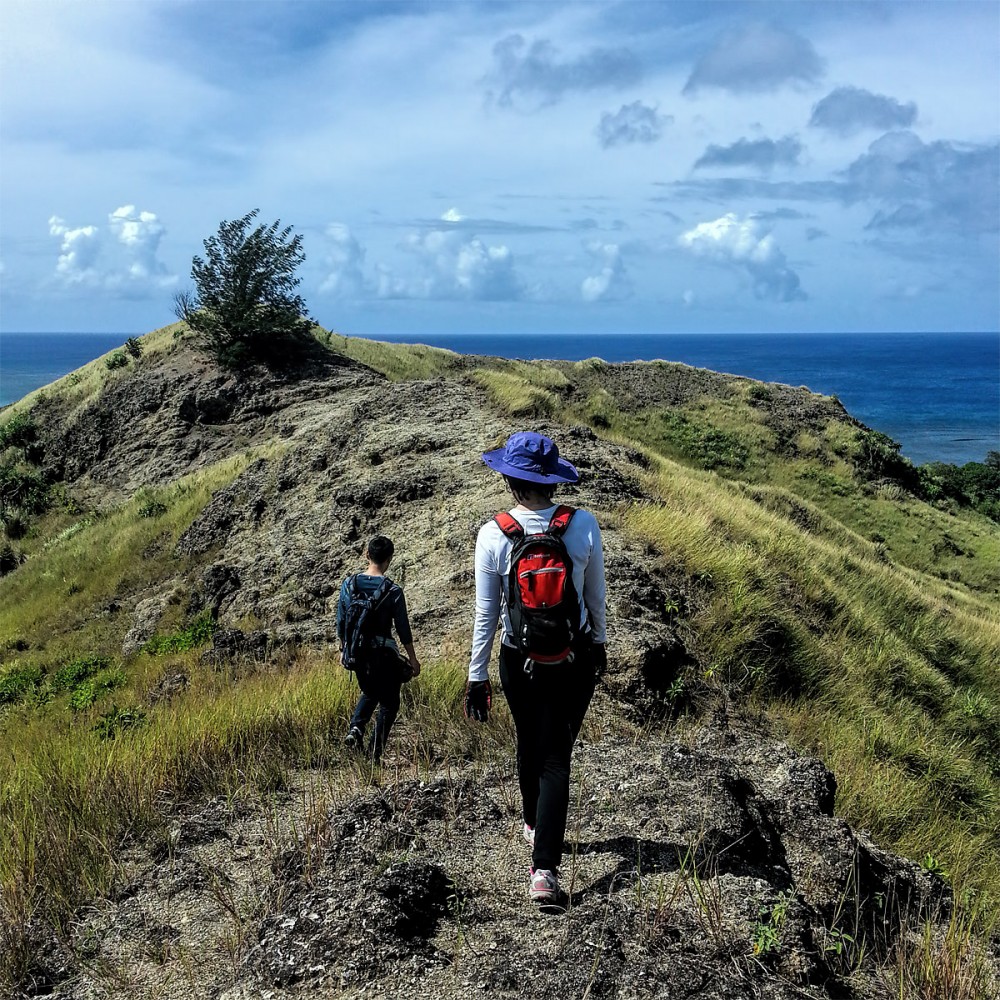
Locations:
column 522, row 167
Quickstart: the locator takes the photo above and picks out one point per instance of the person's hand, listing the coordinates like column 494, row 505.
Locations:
column 599, row 658
column 414, row 666
column 478, row 700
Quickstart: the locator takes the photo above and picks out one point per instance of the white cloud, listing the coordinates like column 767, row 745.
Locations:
column 611, row 282
column 344, row 260
column 79, row 251
column 742, row 244
column 140, row 233
column 452, row 215
column 135, row 269
column 453, row 269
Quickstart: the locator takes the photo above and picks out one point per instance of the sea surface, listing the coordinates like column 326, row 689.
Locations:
column 937, row 394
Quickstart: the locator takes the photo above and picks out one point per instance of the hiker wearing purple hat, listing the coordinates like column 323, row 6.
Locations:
column 540, row 574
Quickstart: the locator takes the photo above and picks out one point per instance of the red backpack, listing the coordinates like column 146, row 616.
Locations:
column 542, row 600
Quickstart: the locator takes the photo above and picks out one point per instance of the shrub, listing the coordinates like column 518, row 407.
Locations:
column 87, row 692
column 758, row 393
column 197, row 633
column 244, row 305
column 15, row 522
column 116, row 360
column 22, row 488
column 17, row 681
column 152, row 508
column 876, row 456
column 72, row 673
column 133, row 347
column 710, row 448
column 117, row 720
column 19, row 432
column 10, row 558
column 975, row 484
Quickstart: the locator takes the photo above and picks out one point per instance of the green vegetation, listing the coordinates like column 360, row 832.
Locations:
column 24, row 490
column 818, row 584
column 245, row 307
column 18, row 432
column 398, row 362
column 887, row 674
column 197, row 633
column 975, row 484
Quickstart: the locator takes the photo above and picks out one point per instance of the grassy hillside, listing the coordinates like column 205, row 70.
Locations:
column 863, row 621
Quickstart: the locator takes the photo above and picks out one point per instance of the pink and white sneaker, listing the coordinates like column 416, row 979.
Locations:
column 529, row 834
column 544, row 885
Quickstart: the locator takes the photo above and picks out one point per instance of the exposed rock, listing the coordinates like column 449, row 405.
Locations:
column 168, row 686
column 145, row 618
column 230, row 644
column 708, row 868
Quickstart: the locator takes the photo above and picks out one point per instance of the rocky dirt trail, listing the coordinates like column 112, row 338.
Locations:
column 681, row 853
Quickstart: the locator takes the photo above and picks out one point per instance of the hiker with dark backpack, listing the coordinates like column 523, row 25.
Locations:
column 540, row 574
column 370, row 605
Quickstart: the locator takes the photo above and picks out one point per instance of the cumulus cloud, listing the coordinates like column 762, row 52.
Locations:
column 635, row 122
column 937, row 185
column 140, row 233
column 533, row 75
column 343, row 260
column 760, row 154
column 611, row 282
column 78, row 252
column 934, row 187
column 757, row 57
column 452, row 268
column 849, row 110
column 742, row 244
column 127, row 265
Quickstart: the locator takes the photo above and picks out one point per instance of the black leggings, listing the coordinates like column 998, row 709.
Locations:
column 548, row 707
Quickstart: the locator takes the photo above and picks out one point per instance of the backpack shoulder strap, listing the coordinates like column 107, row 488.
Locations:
column 382, row 591
column 560, row 520
column 509, row 525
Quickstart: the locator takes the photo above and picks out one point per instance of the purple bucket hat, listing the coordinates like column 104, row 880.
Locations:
column 533, row 457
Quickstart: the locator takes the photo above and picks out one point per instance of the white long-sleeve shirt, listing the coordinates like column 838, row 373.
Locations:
column 493, row 551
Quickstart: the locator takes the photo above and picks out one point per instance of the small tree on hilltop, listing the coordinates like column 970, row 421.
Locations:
column 245, row 304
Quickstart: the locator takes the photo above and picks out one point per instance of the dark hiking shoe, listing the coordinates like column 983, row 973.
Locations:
column 355, row 739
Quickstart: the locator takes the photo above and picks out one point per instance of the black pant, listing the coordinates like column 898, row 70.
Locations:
column 379, row 688
column 548, row 707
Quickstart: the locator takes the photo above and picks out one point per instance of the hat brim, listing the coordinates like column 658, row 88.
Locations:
column 565, row 473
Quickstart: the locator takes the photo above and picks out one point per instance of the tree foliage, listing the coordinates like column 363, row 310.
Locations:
column 975, row 484
column 245, row 305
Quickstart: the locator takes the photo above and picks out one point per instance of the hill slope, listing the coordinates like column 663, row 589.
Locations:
column 168, row 639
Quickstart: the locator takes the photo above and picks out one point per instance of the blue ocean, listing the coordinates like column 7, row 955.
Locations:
column 937, row 394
